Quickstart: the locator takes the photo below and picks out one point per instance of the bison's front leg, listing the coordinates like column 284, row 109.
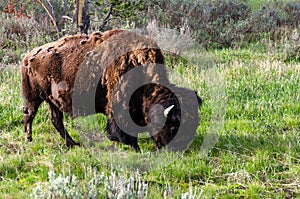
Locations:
column 116, row 134
column 57, row 121
column 29, row 112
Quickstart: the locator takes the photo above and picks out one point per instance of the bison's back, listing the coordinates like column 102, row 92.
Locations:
column 49, row 71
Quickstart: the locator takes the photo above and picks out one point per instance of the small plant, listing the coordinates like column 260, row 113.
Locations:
column 122, row 187
column 112, row 186
column 293, row 55
column 60, row 187
column 193, row 193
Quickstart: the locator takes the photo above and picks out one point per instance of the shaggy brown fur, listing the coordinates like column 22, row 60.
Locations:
column 50, row 71
column 48, row 74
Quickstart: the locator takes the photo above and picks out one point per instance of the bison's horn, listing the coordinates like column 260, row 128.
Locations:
column 167, row 110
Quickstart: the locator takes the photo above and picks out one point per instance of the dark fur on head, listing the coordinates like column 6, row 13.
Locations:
column 139, row 106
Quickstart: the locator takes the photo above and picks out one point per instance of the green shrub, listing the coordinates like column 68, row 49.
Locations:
column 100, row 186
column 18, row 35
column 226, row 23
column 214, row 24
column 293, row 12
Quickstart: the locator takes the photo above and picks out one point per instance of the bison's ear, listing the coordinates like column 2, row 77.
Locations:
column 200, row 101
column 167, row 110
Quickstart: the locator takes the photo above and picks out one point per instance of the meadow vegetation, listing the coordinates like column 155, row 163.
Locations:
column 257, row 153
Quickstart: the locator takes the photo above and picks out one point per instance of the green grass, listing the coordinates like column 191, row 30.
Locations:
column 257, row 4
column 257, row 154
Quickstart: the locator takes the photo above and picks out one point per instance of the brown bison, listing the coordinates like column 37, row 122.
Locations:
column 76, row 71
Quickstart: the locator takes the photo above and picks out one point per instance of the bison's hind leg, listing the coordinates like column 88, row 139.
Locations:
column 29, row 112
column 57, row 121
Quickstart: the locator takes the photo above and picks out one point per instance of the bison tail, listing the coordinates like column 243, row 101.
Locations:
column 25, row 82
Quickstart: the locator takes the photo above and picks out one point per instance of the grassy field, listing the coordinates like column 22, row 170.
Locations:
column 257, row 153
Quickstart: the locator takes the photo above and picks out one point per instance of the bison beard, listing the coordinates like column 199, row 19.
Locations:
column 56, row 73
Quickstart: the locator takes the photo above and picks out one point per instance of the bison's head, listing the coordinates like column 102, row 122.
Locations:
column 172, row 117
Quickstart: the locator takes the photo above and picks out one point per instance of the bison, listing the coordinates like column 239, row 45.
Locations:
column 62, row 72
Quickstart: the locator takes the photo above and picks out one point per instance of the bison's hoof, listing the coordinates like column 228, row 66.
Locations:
column 71, row 144
column 29, row 139
column 136, row 149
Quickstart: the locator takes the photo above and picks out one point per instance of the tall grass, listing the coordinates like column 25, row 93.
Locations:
column 256, row 156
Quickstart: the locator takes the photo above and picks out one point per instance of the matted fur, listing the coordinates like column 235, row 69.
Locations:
column 48, row 74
